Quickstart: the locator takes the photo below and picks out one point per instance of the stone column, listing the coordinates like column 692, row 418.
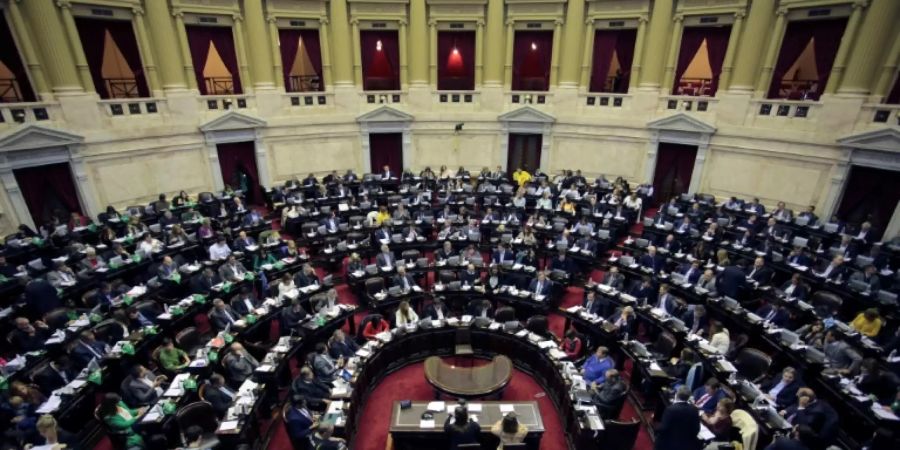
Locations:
column 243, row 63
column 493, row 44
column 29, row 55
column 479, row 54
column 508, row 59
column 572, row 57
column 147, row 57
column 888, row 69
column 733, row 38
column 258, row 41
column 657, row 37
column 188, row 62
column 672, row 55
column 275, row 45
column 341, row 43
column 52, row 46
column 765, row 76
column 555, row 56
column 870, row 47
column 587, row 55
column 164, row 42
column 636, row 63
column 326, row 53
column 432, row 45
column 84, row 72
column 418, row 44
column 404, row 55
column 751, row 46
column 840, row 59
column 357, row 53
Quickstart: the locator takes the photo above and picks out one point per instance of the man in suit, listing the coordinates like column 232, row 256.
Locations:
column 315, row 391
column 222, row 315
column 595, row 306
column 306, row 277
column 614, row 279
column 331, row 223
column 58, row 373
column 666, row 301
column 706, row 397
column 562, row 262
column 233, row 270
column 252, row 219
column 670, row 245
column 759, row 273
column 436, row 310
column 756, row 208
column 732, row 280
column 386, row 173
column 708, row 281
column 810, row 214
column 385, row 258
column 239, row 364
column 795, row 288
column 691, row 272
column 218, row 394
column 644, row 292
column 299, row 421
column 167, row 268
column 695, row 319
column 596, row 366
column 683, row 226
column 680, row 424
column 799, row 257
column 540, row 285
column 816, row 414
column 835, row 270
column 86, row 348
column 350, row 176
column 783, row 389
column 292, row 316
column 845, row 248
column 403, row 280
column 869, row 276
column 470, row 276
column 774, row 313
column 865, row 234
column 502, row 254
column 28, row 337
column 206, row 281
column 608, row 394
column 479, row 308
column 243, row 241
column 245, row 302
column 141, row 387
column 383, row 234
column 842, row 356
column 325, row 368
column 62, row 276
column 651, row 260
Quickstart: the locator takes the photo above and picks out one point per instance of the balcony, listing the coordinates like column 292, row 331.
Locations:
column 530, row 97
column 459, row 98
column 131, row 107
column 687, row 103
column 786, row 109
column 604, row 100
column 27, row 112
column 382, row 97
column 225, row 102
column 308, row 99
column 880, row 114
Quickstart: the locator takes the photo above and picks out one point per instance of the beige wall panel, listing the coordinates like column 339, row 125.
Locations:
column 595, row 156
column 320, row 156
column 138, row 179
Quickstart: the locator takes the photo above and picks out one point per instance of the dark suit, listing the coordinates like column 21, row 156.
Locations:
column 643, row 294
column 507, row 255
column 691, row 274
column 653, row 263
column 303, row 280
column 314, row 391
column 431, row 312
column 346, row 348
column 81, row 355
column 240, row 307
column 778, row 318
column 23, row 342
column 819, row 416
column 218, row 398
column 799, row 291
column 615, row 281
column 467, row 434
column 204, row 285
column 671, row 247
column 678, row 428
column 690, row 320
column 564, row 265
column 607, row 397
column 731, row 281
column 41, row 297
column 383, row 260
column 545, row 287
column 762, row 275
column 298, row 424
column 788, row 394
column 470, row 278
column 222, row 318
column 49, row 380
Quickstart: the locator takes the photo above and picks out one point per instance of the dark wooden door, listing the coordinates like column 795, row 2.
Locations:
column 674, row 167
column 524, row 151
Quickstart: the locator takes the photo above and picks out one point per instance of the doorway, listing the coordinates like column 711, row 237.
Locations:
column 674, row 167
column 48, row 191
column 386, row 149
column 237, row 161
column 524, row 151
column 870, row 194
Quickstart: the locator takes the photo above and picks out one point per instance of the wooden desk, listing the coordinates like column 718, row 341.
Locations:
column 468, row 382
column 407, row 432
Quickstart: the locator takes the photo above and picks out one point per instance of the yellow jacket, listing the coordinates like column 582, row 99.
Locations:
column 866, row 327
column 521, row 177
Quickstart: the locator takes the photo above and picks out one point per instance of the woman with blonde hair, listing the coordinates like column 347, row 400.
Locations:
column 509, row 430
column 405, row 315
column 722, row 258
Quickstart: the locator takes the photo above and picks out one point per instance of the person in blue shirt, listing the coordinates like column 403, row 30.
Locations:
column 706, row 398
column 594, row 369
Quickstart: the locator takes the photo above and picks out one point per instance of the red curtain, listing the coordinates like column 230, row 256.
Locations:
column 238, row 158
column 674, row 167
column 92, row 33
column 380, row 64
column 691, row 39
column 607, row 43
column 289, row 42
column 9, row 55
column 199, row 38
column 716, row 46
column 870, row 194
column 456, row 69
column 386, row 149
column 893, row 97
column 47, row 190
column 532, row 52
column 625, row 51
column 827, row 34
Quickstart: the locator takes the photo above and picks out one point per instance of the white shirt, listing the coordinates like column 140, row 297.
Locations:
column 402, row 321
column 721, row 341
column 217, row 251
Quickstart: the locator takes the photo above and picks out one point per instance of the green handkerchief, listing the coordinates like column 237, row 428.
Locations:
column 226, row 287
column 95, row 318
column 96, row 377
column 199, row 299
column 189, row 384
column 213, row 356
column 127, row 299
column 249, row 276
column 128, row 348
column 176, row 311
column 169, row 408
column 228, row 338
column 250, row 318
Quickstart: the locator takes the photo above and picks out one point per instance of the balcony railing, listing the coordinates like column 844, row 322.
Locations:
column 219, row 85
column 530, row 98
column 686, row 103
column 879, row 113
column 382, row 97
column 132, row 107
column 455, row 97
column 604, row 100
column 225, row 102
column 786, row 108
column 309, row 99
column 305, row 83
column 121, row 87
column 799, row 90
column 15, row 113
column 9, row 91
column 695, row 87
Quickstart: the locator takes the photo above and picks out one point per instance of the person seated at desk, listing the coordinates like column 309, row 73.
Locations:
column 527, row 258
column 842, row 357
column 141, row 387
column 644, row 292
column 219, row 250
column 868, row 276
column 62, row 276
column 759, row 273
column 495, row 278
column 865, row 234
column 299, row 421
column 868, row 323
column 325, row 368
column 177, row 236
column 233, row 270
column 172, row 358
column 86, row 348
column 28, row 337
column 222, row 315
column 341, row 345
column 323, row 438
column 219, row 395
column 444, row 252
column 816, row 414
column 594, row 369
column 680, row 367
column 91, row 261
column 691, row 272
column 813, row 334
column 460, row 429
column 502, row 254
column 239, row 364
column 795, row 288
column 405, row 315
column 879, row 384
column 719, row 423
column 306, row 277
column 385, row 259
column 571, row 345
column 680, row 424
column 707, row 396
column 719, row 338
column 292, row 317
column 607, row 393
column 669, row 245
column 437, row 310
column 58, row 373
column 540, row 285
column 707, row 281
column 315, row 391
column 783, row 389
column 375, row 326
column 286, row 286
column 667, row 303
column 799, row 256
column 651, row 260
column 244, row 302
column 753, row 225
column 562, row 263
column 801, row 437
column 509, row 430
column 479, row 308
column 774, row 313
column 243, row 241
column 118, row 417
column 527, row 236
column 355, row 264
column 835, row 270
column 470, row 276
column 613, row 279
column 593, row 305
column 695, row 319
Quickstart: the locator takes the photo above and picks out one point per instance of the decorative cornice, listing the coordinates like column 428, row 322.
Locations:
column 64, row 4
column 479, row 23
column 402, row 22
column 558, row 22
column 589, row 22
column 510, row 22
column 643, row 18
column 324, row 21
column 781, row 12
column 678, row 18
column 740, row 15
column 237, row 17
column 178, row 13
column 432, row 23
column 137, row 10
column 354, row 21
column 861, row 4
column 271, row 19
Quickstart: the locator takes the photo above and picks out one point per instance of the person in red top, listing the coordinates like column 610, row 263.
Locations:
column 571, row 345
column 375, row 326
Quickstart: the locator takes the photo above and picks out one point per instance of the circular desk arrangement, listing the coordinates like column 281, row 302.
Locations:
column 473, row 381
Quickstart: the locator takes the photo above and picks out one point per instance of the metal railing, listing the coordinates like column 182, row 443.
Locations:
column 695, row 87
column 304, row 83
column 9, row 91
column 219, row 85
column 798, row 90
column 121, row 87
